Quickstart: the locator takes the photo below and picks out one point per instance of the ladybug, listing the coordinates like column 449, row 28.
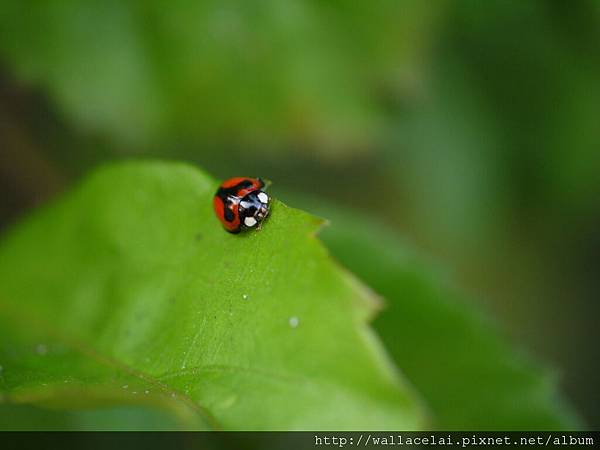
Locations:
column 241, row 204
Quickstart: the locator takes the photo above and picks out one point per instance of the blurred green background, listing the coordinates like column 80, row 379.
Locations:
column 473, row 128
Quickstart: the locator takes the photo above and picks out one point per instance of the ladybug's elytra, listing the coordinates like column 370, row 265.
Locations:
column 240, row 203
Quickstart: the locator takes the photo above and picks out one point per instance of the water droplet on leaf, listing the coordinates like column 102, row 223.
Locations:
column 41, row 349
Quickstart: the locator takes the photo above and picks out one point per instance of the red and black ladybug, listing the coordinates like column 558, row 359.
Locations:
column 240, row 203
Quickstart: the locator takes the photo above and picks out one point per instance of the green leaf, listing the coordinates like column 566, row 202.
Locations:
column 466, row 371
column 115, row 418
column 128, row 293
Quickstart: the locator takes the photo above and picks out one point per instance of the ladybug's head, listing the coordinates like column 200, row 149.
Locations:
column 254, row 208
